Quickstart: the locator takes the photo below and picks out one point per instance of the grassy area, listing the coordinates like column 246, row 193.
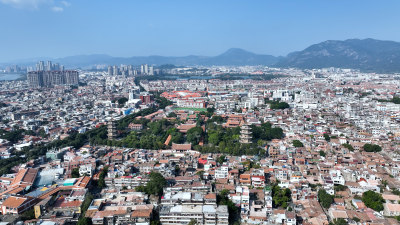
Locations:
column 192, row 109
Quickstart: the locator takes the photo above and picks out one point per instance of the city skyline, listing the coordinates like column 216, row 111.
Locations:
column 179, row 28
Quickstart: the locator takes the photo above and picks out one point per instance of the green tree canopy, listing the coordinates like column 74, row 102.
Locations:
column 372, row 148
column 266, row 132
column 12, row 136
column 84, row 221
column 324, row 198
column 223, row 199
column 280, row 197
column 278, row 105
column 155, row 184
column 348, row 146
column 297, row 143
column 339, row 221
column 101, row 182
column 373, row 200
column 194, row 135
column 339, row 187
column 122, row 101
column 396, row 100
column 172, row 114
column 192, row 222
column 217, row 119
column 42, row 133
column 85, row 205
column 221, row 159
column 75, row 173
column 210, row 112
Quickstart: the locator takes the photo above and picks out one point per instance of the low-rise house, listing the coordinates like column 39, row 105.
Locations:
column 17, row 204
column 391, row 209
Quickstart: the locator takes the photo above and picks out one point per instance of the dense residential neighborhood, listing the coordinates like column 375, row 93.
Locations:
column 264, row 146
column 185, row 112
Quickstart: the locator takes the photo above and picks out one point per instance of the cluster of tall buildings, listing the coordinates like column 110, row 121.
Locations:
column 49, row 74
column 49, row 66
column 146, row 69
column 129, row 70
column 14, row 69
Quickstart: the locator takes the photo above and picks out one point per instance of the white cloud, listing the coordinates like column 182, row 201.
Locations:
column 26, row 4
column 57, row 9
column 54, row 5
column 66, row 4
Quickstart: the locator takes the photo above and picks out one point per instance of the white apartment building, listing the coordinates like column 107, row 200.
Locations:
column 190, row 103
column 222, row 172
column 86, row 169
column 336, row 177
column 203, row 214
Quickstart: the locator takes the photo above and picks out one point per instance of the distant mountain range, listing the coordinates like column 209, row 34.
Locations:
column 365, row 54
column 233, row 56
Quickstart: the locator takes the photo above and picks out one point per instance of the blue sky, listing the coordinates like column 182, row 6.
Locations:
column 55, row 28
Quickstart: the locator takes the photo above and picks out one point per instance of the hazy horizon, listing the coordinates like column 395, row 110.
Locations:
column 117, row 56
